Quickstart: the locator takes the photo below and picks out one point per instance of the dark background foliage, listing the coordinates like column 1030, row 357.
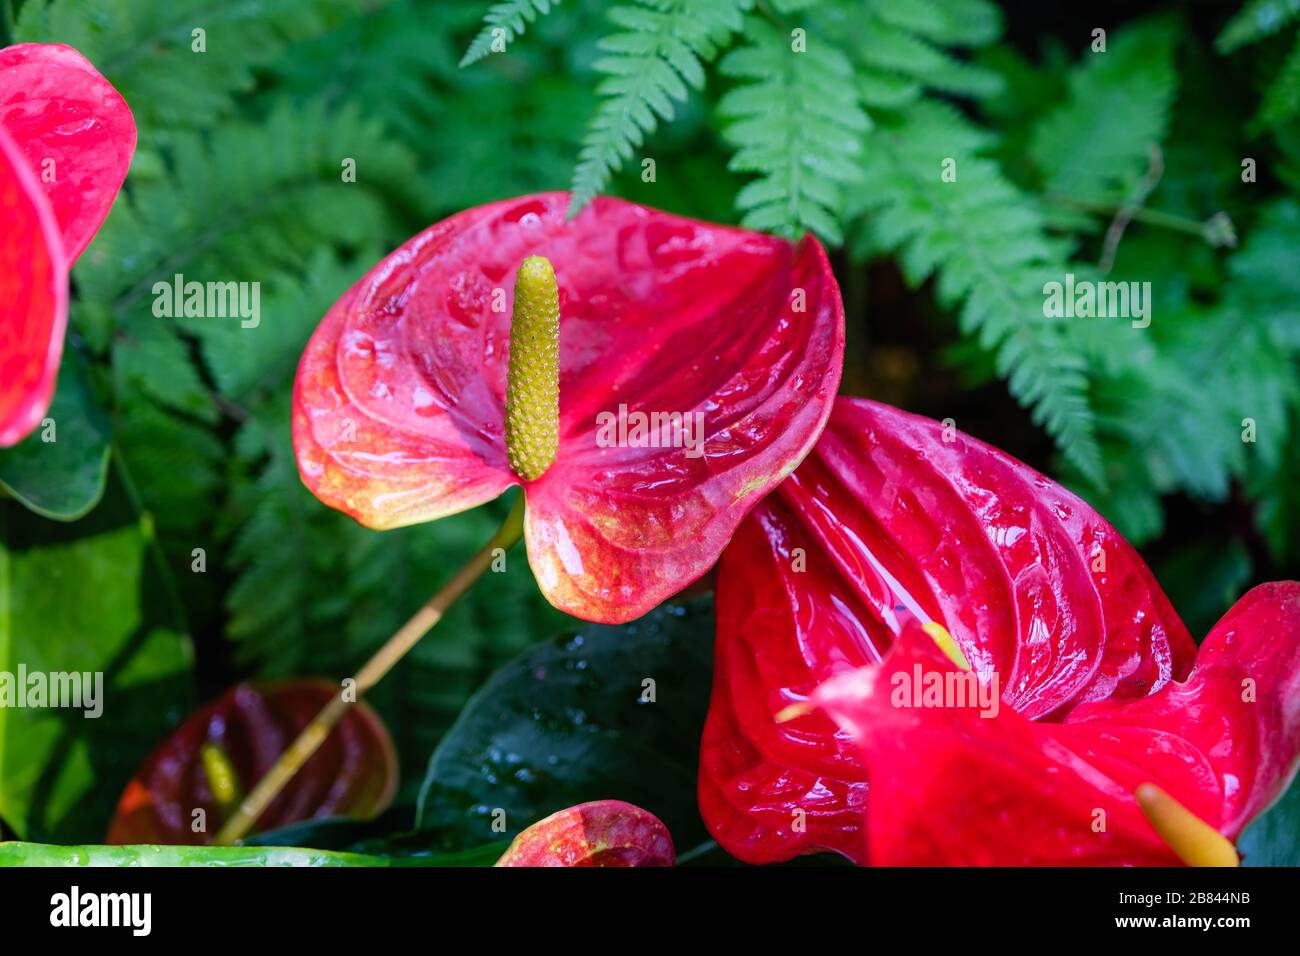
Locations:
column 206, row 561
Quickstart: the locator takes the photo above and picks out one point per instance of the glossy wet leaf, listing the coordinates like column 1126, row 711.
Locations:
column 44, row 855
column 64, row 478
column 387, row 835
column 565, row 723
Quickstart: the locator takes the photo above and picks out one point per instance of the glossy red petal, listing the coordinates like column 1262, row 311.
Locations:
column 354, row 773
column 956, row 780
column 884, row 522
column 1240, row 706
column 398, row 415
column 33, row 296
column 77, row 133
column 600, row 833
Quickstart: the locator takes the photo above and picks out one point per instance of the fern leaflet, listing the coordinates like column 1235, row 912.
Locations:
column 796, row 123
column 984, row 242
column 1255, row 21
column 503, row 24
column 1094, row 146
column 652, row 63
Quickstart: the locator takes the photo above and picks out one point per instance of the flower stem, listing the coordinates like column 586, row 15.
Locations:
column 374, row 670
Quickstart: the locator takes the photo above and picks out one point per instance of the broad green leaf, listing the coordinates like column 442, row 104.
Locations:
column 571, row 721
column 58, row 471
column 39, row 854
column 387, row 835
column 77, row 598
column 1273, row 838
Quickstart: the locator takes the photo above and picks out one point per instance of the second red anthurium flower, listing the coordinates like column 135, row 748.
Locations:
column 697, row 365
column 66, row 141
column 1085, row 710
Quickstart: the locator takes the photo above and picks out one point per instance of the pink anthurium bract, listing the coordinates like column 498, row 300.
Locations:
column 66, row 141
column 729, row 339
column 895, row 520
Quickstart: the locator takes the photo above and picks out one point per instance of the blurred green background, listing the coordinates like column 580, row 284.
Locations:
column 206, row 561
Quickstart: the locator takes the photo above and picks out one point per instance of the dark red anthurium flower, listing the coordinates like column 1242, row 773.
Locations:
column 600, row 833
column 399, row 409
column 892, row 518
column 223, row 749
column 1158, row 780
column 66, row 140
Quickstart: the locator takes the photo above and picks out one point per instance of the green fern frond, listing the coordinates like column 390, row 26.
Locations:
column 651, row 64
column 796, row 123
column 959, row 23
column 1282, row 97
column 1095, row 146
column 248, row 202
column 504, row 23
column 150, row 51
column 984, row 243
column 1255, row 21
column 395, row 62
column 1172, row 415
column 898, row 46
column 399, row 65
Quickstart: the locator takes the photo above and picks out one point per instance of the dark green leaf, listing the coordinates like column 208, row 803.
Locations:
column 58, row 471
column 566, row 723
column 1273, row 839
column 39, row 854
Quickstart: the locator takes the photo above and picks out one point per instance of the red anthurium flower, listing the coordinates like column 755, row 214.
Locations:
column 76, row 131
column 723, row 344
column 212, row 759
column 965, row 784
column 66, row 140
column 895, row 518
column 33, row 296
column 600, row 833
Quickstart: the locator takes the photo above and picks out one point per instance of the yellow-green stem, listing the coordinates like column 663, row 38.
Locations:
column 394, row 649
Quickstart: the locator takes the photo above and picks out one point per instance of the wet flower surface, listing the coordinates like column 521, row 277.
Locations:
column 891, row 519
column 66, row 141
column 952, row 786
column 599, row 833
column 400, row 397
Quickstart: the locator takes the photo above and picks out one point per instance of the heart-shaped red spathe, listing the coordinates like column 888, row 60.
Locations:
column 399, row 403
column 895, row 518
column 354, row 773
column 957, row 785
column 75, row 129
column 66, row 140
column 33, row 296
column 607, row 833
